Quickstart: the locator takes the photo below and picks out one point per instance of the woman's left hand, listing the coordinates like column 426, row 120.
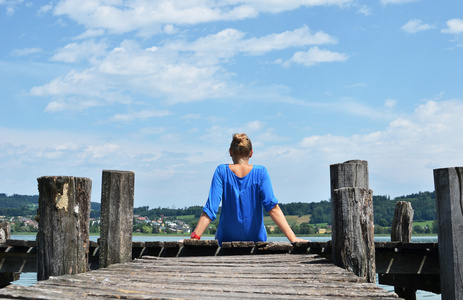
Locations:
column 299, row 240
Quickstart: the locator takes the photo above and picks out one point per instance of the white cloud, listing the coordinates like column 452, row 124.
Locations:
column 175, row 71
column 152, row 131
column 90, row 33
column 80, row 90
column 364, row 10
column 11, row 5
column 100, row 151
column 397, row 1
column 298, row 37
column 227, row 43
column 45, row 8
column 25, row 51
column 454, row 26
column 390, row 103
column 84, row 83
column 191, row 116
column 254, row 126
column 157, row 72
column 76, row 52
column 149, row 16
column 170, row 29
column 416, row 25
column 405, row 152
column 138, row 115
column 314, row 56
column 356, row 85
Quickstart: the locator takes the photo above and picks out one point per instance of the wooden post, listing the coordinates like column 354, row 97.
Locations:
column 5, row 232
column 402, row 223
column 117, row 196
column 448, row 183
column 401, row 231
column 63, row 236
column 352, row 219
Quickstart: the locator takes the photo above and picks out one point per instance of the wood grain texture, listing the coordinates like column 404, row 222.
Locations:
column 352, row 219
column 448, row 184
column 117, row 198
column 402, row 223
column 271, row 276
column 63, row 236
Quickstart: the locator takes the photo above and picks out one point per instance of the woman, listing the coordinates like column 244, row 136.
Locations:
column 245, row 190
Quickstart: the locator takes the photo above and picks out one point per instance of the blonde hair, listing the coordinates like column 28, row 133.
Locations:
column 241, row 145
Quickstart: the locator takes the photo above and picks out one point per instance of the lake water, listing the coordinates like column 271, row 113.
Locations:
column 27, row 279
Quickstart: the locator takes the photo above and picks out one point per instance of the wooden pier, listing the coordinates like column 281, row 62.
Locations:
column 261, row 276
column 195, row 269
column 413, row 265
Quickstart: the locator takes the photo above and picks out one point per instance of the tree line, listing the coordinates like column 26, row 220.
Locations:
column 423, row 203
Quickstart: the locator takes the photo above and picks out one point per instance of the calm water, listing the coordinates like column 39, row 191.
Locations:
column 30, row 278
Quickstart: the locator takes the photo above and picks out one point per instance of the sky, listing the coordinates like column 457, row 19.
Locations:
column 159, row 87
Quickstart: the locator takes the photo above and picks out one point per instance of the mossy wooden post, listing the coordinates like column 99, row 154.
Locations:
column 63, row 236
column 448, row 183
column 117, row 196
column 352, row 219
column 401, row 231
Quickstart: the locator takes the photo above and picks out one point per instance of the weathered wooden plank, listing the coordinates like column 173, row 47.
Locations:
column 404, row 255
column 273, row 248
column 414, row 262
column 170, row 249
column 425, row 282
column 21, row 243
column 199, row 248
column 153, row 248
column 137, row 249
column 236, row 248
column 272, row 276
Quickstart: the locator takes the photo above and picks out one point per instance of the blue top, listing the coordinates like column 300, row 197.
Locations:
column 242, row 217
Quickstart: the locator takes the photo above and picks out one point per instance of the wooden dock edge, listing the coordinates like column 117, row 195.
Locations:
column 413, row 265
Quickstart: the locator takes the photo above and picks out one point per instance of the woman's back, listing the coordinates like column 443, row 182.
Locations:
column 240, row 170
column 242, row 201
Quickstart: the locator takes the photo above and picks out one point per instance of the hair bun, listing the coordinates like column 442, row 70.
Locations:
column 241, row 145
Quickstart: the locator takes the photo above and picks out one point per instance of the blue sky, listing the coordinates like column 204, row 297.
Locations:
column 159, row 87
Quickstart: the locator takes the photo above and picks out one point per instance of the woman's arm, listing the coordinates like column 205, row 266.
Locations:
column 279, row 218
column 203, row 222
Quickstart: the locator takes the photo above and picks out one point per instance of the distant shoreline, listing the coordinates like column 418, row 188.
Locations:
column 212, row 235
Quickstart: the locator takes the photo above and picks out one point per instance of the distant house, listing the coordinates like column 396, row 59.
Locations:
column 31, row 223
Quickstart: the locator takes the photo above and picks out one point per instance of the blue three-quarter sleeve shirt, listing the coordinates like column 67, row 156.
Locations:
column 243, row 198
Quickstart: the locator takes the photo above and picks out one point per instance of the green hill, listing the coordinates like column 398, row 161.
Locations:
column 424, row 204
